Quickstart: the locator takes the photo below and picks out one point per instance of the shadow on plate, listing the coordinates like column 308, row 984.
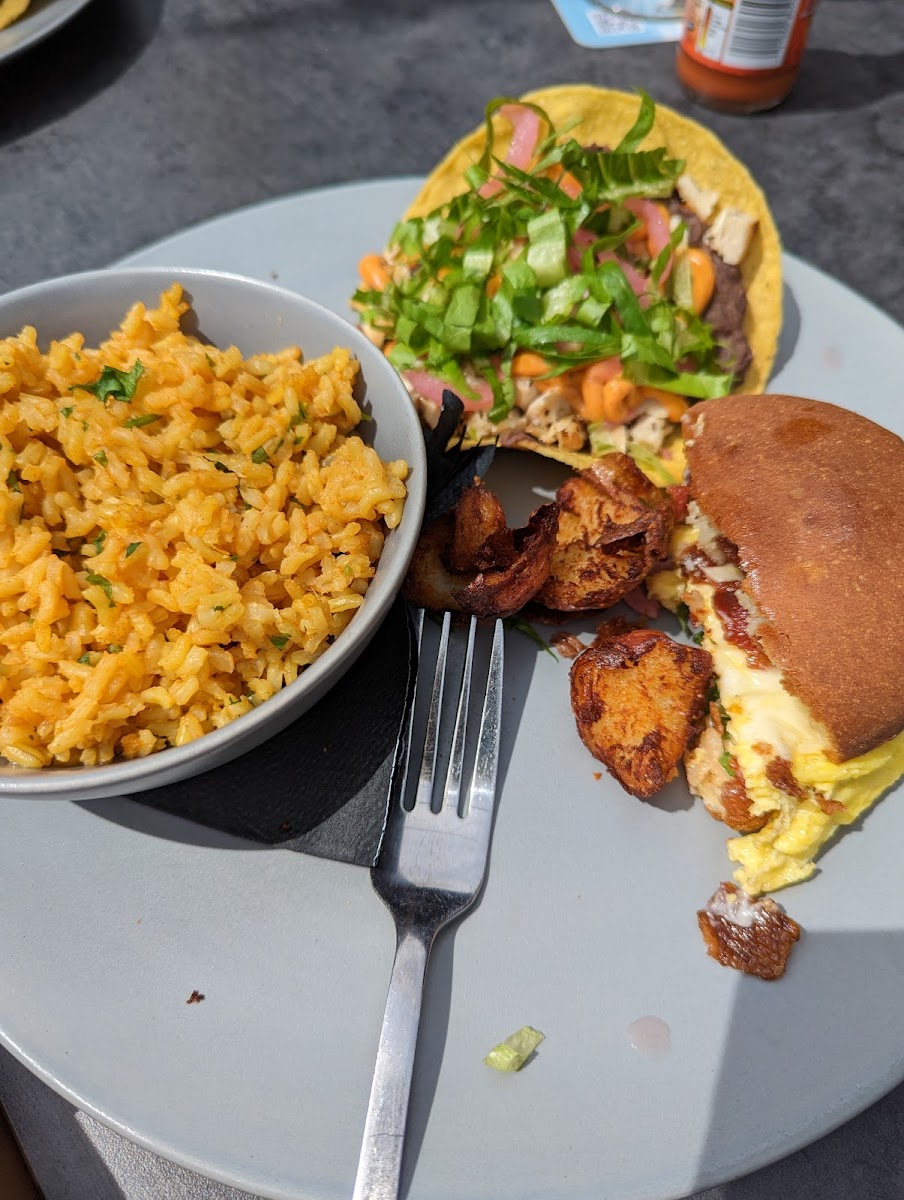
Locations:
column 83, row 57
column 839, row 1058
column 790, row 332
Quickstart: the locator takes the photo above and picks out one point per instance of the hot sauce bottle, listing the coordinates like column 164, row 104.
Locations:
column 742, row 56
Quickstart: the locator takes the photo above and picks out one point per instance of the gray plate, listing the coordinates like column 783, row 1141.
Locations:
column 258, row 317
column 111, row 915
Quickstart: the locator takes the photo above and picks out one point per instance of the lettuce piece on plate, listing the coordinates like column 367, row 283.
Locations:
column 513, row 1053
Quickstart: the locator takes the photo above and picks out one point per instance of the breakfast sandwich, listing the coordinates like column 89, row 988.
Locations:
column 788, row 565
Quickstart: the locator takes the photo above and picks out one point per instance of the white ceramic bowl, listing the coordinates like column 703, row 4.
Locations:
column 258, row 318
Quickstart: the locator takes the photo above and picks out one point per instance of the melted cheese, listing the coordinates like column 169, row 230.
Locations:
column 766, row 722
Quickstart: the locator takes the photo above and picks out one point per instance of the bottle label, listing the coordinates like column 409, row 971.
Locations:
column 744, row 37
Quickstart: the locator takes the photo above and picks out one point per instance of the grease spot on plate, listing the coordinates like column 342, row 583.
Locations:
column 650, row 1037
column 832, row 357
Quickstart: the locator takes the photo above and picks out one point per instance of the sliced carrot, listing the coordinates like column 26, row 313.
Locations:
column 374, row 272
column 593, row 400
column 703, row 278
column 619, row 401
column 493, row 284
column 527, row 365
column 675, row 406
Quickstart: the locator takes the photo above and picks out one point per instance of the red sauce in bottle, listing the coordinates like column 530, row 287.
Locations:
column 742, row 56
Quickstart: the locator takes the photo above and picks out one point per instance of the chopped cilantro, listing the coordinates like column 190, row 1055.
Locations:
column 260, row 455
column 725, row 760
column 113, row 382
column 233, row 558
column 683, row 613
column 12, row 482
column 279, row 640
column 68, row 410
column 298, row 417
column 138, row 422
column 98, row 542
column 85, row 660
column 219, row 608
column 365, row 416
column 525, row 628
column 131, row 548
column 101, row 457
column 103, row 583
column 222, row 467
column 114, row 649
column 210, row 362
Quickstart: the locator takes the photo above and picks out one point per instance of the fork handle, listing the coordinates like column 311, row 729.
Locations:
column 380, row 1162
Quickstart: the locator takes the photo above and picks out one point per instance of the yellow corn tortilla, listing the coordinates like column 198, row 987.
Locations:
column 11, row 10
column 605, row 117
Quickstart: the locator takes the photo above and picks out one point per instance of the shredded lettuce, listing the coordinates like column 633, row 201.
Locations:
column 484, row 276
column 513, row 1053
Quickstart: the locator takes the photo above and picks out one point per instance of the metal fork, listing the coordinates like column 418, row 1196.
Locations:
column 430, row 870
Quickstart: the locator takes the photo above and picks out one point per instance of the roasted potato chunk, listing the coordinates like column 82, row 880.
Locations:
column 481, row 538
column 429, row 582
column 502, row 591
column 753, row 936
column 507, row 566
column 639, row 699
column 614, row 526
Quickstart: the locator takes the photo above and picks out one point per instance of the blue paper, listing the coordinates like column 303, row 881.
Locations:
column 594, row 27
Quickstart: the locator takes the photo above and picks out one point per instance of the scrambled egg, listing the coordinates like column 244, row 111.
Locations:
column 765, row 722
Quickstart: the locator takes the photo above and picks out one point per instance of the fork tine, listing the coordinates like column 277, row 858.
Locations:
column 452, row 792
column 482, row 792
column 424, row 794
column 403, row 760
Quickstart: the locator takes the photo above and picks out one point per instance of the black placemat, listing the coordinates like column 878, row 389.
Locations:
column 322, row 785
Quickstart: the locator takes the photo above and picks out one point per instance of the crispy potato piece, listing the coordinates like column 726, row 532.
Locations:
column 753, row 936
column 638, row 700
column 501, row 592
column 429, row 582
column 481, row 538
column 614, row 628
column 614, row 526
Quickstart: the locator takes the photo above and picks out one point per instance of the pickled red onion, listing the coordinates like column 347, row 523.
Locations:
column 639, row 285
column 431, row 389
column 605, row 369
column 657, row 229
column 579, row 243
column 638, row 599
column 525, row 134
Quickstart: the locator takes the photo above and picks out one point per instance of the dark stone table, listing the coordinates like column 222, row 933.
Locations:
column 140, row 117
